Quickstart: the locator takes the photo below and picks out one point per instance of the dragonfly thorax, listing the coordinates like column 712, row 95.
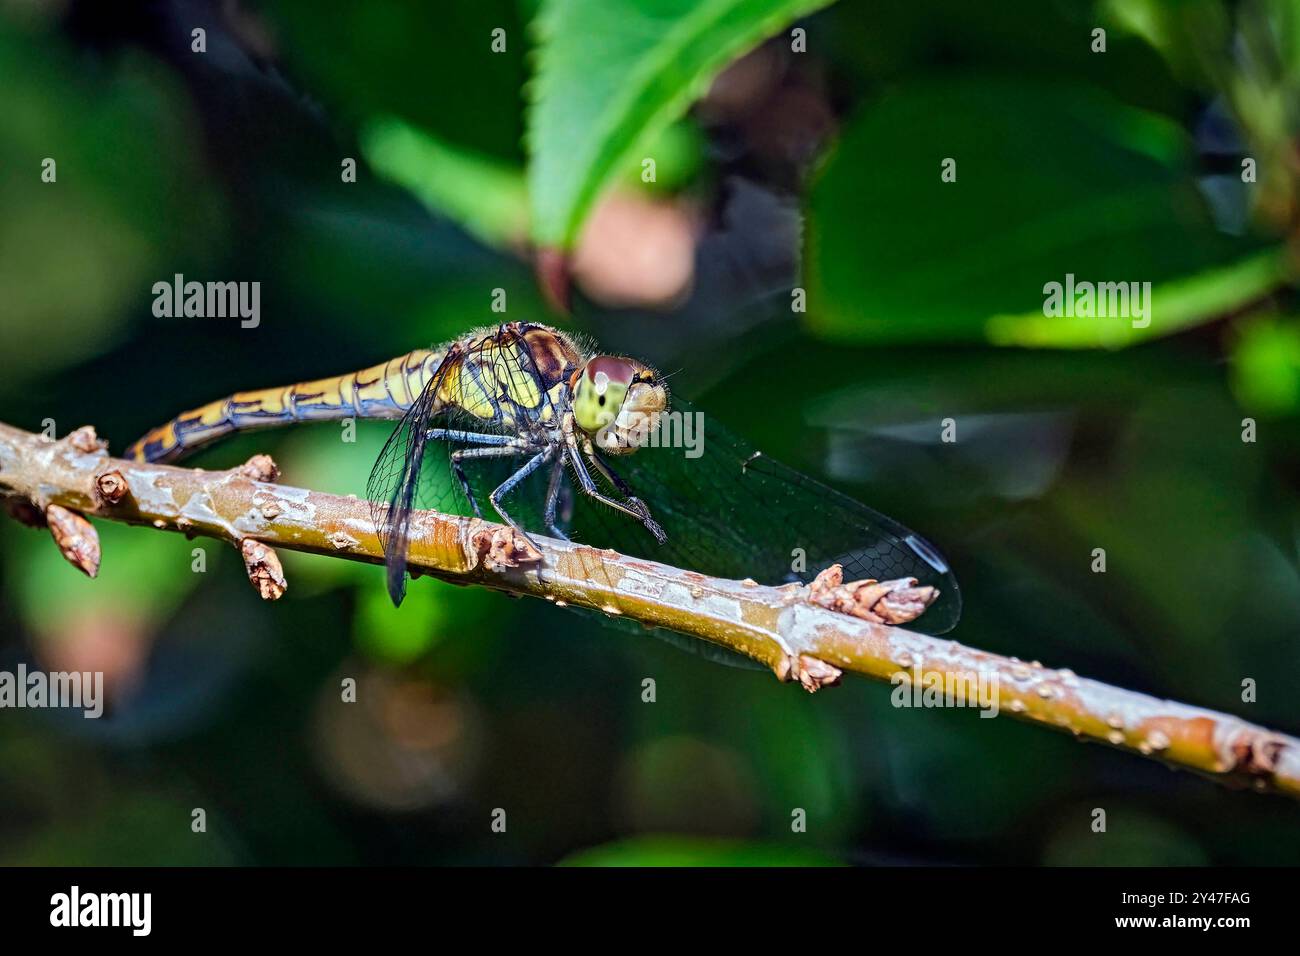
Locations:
column 617, row 402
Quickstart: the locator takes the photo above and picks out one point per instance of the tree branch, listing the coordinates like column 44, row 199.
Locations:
column 808, row 634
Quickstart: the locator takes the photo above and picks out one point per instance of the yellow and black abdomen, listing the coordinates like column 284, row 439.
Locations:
column 386, row 390
column 499, row 376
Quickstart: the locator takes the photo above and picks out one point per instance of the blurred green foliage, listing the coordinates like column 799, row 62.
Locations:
column 75, row 255
column 1067, row 161
column 1266, row 366
column 1087, row 186
column 669, row 851
column 611, row 76
column 486, row 196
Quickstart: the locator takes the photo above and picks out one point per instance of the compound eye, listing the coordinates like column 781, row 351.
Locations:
column 601, row 391
column 606, row 370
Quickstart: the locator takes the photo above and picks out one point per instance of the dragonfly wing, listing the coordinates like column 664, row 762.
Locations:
column 733, row 512
column 502, row 386
column 728, row 510
column 394, row 481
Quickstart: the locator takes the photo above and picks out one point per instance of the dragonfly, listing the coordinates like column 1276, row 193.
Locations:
column 551, row 435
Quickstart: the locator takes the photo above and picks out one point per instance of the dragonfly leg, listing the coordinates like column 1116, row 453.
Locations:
column 459, row 469
column 614, row 479
column 515, row 447
column 476, row 438
column 565, row 510
column 589, row 488
column 508, row 485
column 553, row 499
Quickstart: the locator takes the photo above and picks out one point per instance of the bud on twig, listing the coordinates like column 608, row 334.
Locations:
column 76, row 537
column 260, row 468
column 880, row 602
column 500, row 548
column 812, row 673
column 264, row 569
column 111, row 487
column 84, row 439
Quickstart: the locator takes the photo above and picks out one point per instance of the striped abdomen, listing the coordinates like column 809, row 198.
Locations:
column 493, row 375
column 382, row 391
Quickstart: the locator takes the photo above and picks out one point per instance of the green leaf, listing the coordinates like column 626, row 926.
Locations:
column 1133, row 838
column 143, row 575
column 1266, row 366
column 1050, row 181
column 1178, row 303
column 129, row 202
column 486, row 196
column 695, row 851
column 433, row 64
column 613, row 74
column 393, row 635
column 1190, row 35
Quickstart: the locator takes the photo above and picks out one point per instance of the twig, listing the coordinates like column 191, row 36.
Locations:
column 808, row 634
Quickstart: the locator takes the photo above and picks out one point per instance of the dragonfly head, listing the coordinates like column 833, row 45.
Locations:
column 617, row 401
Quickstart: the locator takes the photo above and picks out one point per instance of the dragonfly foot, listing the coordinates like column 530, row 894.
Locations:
column 643, row 510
